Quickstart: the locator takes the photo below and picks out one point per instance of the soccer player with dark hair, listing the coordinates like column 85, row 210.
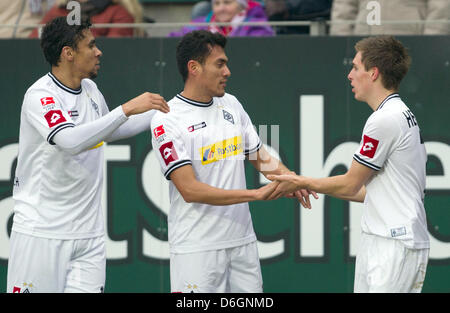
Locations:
column 201, row 145
column 387, row 174
column 57, row 239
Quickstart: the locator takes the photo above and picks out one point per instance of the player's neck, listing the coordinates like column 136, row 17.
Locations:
column 194, row 92
column 66, row 77
column 377, row 98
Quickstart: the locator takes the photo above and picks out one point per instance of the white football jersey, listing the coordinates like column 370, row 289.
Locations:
column 214, row 138
column 392, row 145
column 58, row 195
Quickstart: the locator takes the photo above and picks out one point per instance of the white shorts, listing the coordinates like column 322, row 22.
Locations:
column 387, row 265
column 51, row 265
column 234, row 269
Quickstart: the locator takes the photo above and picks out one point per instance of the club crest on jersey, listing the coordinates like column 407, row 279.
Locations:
column 221, row 150
column 192, row 288
column 168, row 152
column 369, row 147
column 54, row 117
column 95, row 106
column 228, row 116
column 25, row 288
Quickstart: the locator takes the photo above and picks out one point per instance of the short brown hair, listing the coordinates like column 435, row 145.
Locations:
column 388, row 55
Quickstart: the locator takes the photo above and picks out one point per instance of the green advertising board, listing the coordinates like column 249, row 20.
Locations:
column 297, row 94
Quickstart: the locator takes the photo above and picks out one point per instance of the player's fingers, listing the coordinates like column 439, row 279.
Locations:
column 161, row 105
column 276, row 177
column 275, row 194
column 306, row 197
column 300, row 199
column 314, row 194
column 158, row 102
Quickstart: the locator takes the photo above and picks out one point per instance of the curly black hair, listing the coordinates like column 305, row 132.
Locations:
column 196, row 45
column 57, row 34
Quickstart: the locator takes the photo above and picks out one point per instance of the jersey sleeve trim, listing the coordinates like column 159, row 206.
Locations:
column 56, row 130
column 368, row 164
column 250, row 151
column 175, row 166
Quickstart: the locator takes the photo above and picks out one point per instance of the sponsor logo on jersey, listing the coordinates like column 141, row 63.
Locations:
column 168, row 152
column 221, row 150
column 73, row 113
column 54, row 117
column 228, row 116
column 158, row 131
column 196, row 126
column 47, row 100
column 369, row 146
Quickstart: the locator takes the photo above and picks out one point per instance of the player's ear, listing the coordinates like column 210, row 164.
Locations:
column 374, row 73
column 67, row 53
column 193, row 67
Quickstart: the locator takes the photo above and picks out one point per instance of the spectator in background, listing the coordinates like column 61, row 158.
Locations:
column 363, row 11
column 21, row 12
column 297, row 10
column 234, row 12
column 101, row 12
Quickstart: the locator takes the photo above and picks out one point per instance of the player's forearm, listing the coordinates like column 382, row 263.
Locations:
column 339, row 186
column 358, row 197
column 202, row 193
column 83, row 137
column 266, row 164
column 135, row 124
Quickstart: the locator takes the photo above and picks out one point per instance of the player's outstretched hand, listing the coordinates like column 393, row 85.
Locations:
column 291, row 186
column 302, row 196
column 145, row 102
column 265, row 191
column 288, row 185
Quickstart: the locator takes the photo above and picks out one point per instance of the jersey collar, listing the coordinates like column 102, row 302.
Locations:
column 391, row 96
column 62, row 86
column 196, row 103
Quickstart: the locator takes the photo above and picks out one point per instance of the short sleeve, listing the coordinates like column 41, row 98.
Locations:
column 45, row 113
column 252, row 142
column 377, row 142
column 171, row 150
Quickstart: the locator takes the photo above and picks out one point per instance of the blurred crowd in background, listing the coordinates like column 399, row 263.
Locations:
column 18, row 19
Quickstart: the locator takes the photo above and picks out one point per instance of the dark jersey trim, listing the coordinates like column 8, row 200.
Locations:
column 392, row 96
column 56, row 130
column 258, row 146
column 196, row 103
column 368, row 164
column 175, row 166
column 62, row 86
